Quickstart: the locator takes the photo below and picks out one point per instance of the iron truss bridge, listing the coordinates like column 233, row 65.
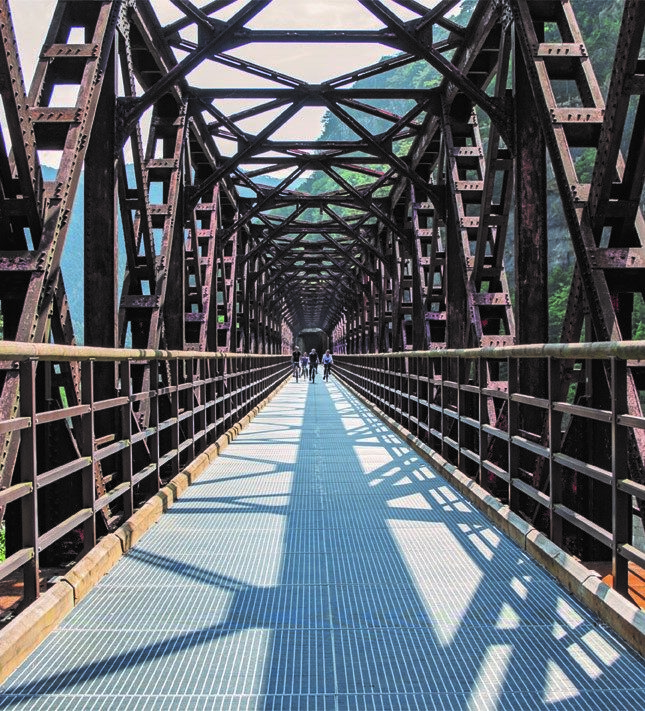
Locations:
column 189, row 189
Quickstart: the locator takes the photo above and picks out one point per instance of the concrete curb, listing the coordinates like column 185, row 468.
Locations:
column 23, row 634
column 586, row 585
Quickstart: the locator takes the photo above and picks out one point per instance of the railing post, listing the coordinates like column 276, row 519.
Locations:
column 385, row 381
column 211, row 396
column 442, row 405
column 29, row 473
column 380, row 379
column 405, row 397
column 226, row 392
column 421, row 393
column 203, row 399
column 483, row 411
column 191, row 395
column 621, row 508
column 88, row 474
column 412, row 391
column 254, row 385
column 126, row 436
column 513, row 427
column 175, row 412
column 555, row 470
column 154, row 419
column 232, row 389
column 398, row 376
column 393, row 383
column 459, row 371
column 429, row 397
column 219, row 396
column 242, row 380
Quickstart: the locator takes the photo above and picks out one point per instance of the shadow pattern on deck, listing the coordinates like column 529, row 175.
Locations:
column 320, row 564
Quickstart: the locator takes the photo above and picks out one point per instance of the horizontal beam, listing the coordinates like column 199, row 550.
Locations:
column 313, row 92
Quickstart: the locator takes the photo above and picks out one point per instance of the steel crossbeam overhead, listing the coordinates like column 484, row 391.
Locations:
column 217, row 218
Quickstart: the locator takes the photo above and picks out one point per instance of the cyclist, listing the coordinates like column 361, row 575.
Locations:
column 327, row 361
column 295, row 362
column 313, row 365
column 304, row 362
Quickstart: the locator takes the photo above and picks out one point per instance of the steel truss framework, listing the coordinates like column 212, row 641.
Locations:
column 227, row 243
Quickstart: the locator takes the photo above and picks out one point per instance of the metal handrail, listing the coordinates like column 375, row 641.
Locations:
column 143, row 429
column 510, row 434
column 633, row 350
column 16, row 350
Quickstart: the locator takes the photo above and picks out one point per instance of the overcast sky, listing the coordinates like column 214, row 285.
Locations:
column 32, row 18
column 307, row 62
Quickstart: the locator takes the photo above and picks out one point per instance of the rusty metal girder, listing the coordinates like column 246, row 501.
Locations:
column 34, row 125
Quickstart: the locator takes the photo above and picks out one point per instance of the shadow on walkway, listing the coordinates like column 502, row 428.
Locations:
column 320, row 564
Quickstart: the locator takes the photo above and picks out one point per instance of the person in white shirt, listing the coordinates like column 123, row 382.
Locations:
column 327, row 361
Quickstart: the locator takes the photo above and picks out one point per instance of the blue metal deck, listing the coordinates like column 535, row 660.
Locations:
column 320, row 564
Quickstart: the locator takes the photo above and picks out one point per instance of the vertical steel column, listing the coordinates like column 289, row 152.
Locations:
column 457, row 320
column 531, row 240
column 101, row 237
column 174, row 314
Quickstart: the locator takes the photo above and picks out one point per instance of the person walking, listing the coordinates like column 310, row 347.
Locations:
column 313, row 365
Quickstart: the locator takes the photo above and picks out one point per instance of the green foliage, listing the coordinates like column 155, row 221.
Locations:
column 638, row 318
column 584, row 165
column 3, row 549
column 599, row 22
column 558, row 290
column 559, row 285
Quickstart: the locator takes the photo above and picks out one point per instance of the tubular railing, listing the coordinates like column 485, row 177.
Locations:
column 87, row 465
column 555, row 431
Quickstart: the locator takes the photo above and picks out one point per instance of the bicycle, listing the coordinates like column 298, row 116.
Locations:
column 326, row 371
column 296, row 370
column 313, row 369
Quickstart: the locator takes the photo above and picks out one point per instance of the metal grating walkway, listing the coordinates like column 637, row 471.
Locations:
column 320, row 564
